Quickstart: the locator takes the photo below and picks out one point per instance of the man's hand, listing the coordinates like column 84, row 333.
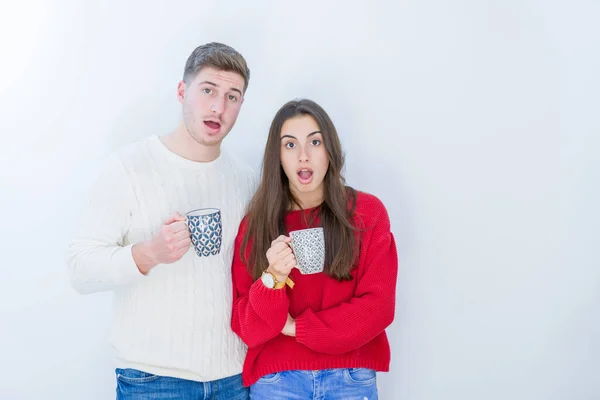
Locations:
column 169, row 244
column 290, row 327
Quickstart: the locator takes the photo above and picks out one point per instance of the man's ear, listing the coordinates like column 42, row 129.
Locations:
column 181, row 88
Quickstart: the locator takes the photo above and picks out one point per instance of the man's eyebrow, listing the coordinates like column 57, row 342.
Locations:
column 215, row 85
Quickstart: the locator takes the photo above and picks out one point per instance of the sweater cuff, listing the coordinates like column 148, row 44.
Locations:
column 270, row 304
column 301, row 329
column 125, row 270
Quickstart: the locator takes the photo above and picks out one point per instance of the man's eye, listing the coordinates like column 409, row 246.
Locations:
column 207, row 90
column 232, row 98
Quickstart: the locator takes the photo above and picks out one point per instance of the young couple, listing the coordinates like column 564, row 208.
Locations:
column 182, row 330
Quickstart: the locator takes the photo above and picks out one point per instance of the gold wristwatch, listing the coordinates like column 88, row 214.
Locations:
column 269, row 280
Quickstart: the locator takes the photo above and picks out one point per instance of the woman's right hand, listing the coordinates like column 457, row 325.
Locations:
column 281, row 258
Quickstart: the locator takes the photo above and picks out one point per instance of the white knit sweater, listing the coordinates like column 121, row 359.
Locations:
column 176, row 320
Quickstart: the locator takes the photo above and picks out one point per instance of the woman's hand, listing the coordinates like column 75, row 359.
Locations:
column 290, row 327
column 281, row 258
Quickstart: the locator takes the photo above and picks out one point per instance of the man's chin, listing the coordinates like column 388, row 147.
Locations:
column 207, row 139
column 211, row 140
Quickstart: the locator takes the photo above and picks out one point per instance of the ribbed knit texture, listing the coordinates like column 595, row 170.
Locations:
column 338, row 324
column 176, row 320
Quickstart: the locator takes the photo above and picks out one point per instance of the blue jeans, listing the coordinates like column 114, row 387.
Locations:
column 137, row 385
column 326, row 384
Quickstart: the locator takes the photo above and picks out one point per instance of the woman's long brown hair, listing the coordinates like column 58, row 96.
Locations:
column 273, row 198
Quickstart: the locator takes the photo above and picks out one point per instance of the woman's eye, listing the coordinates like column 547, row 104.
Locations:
column 290, row 145
column 316, row 142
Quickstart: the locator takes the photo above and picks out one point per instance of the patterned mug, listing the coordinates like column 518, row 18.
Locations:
column 206, row 231
column 309, row 248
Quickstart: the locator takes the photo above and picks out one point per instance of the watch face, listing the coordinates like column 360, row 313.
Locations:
column 267, row 280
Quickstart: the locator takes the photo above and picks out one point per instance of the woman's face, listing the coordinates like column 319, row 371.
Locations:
column 304, row 159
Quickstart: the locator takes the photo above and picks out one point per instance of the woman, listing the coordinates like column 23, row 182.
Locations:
column 319, row 334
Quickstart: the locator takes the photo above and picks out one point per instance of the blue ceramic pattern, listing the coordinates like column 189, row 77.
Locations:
column 206, row 232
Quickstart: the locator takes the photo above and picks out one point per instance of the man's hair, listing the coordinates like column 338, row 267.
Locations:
column 218, row 56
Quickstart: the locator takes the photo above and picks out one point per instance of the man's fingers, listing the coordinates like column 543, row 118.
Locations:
column 175, row 217
column 181, row 235
column 183, row 243
column 178, row 226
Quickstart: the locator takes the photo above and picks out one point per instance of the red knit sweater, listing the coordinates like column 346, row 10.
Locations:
column 338, row 324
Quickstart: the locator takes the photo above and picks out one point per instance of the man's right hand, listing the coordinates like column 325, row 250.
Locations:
column 169, row 244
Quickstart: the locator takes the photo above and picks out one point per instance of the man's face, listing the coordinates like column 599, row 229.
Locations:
column 211, row 104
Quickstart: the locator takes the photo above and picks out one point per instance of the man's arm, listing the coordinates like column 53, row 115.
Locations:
column 97, row 258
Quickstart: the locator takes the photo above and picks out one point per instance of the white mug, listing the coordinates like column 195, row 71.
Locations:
column 309, row 248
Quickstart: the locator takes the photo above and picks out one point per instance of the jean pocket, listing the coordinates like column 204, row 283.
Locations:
column 270, row 378
column 360, row 376
column 135, row 376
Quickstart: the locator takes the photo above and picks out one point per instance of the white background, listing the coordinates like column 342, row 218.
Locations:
column 476, row 122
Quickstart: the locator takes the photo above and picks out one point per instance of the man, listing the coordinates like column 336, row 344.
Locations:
column 172, row 307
